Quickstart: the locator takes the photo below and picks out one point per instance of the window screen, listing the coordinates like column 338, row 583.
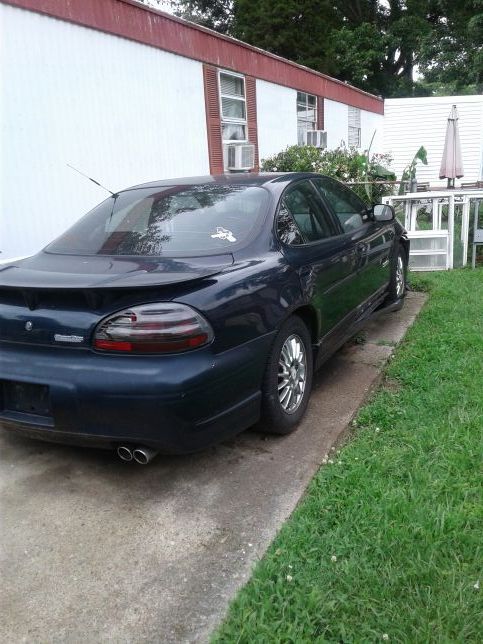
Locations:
column 306, row 115
column 233, row 107
column 354, row 127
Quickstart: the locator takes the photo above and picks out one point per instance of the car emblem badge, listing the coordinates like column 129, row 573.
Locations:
column 29, row 326
column 76, row 339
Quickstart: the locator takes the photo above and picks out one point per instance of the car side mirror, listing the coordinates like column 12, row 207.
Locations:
column 383, row 212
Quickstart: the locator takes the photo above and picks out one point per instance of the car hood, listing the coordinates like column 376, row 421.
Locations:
column 49, row 271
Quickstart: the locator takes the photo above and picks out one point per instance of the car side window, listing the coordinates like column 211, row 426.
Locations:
column 307, row 210
column 347, row 206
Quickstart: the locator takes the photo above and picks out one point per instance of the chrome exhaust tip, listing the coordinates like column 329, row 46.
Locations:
column 143, row 455
column 124, row 453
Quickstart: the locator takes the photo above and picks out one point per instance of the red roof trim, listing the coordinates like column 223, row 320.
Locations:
column 133, row 21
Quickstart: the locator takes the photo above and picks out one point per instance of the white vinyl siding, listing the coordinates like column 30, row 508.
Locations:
column 372, row 132
column 122, row 112
column 354, row 136
column 233, row 107
column 276, row 118
column 412, row 122
column 335, row 123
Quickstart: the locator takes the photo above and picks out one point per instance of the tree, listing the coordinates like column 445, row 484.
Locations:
column 299, row 30
column 451, row 57
column 372, row 44
column 377, row 45
column 216, row 14
column 368, row 43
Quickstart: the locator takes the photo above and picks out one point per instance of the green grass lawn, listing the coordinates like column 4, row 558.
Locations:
column 387, row 543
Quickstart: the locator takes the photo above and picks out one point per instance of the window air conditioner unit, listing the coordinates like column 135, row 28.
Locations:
column 317, row 138
column 240, row 156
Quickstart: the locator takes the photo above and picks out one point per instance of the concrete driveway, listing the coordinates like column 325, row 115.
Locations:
column 93, row 549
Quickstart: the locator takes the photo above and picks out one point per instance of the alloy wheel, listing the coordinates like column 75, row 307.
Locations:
column 400, row 277
column 292, row 374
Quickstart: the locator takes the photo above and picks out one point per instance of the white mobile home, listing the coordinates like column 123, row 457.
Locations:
column 128, row 95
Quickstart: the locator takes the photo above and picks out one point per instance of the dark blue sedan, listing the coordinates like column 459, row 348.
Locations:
column 179, row 313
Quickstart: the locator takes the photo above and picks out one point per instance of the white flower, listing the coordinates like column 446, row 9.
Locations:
column 289, row 577
column 333, row 558
column 385, row 637
column 330, row 461
column 477, row 585
column 378, row 429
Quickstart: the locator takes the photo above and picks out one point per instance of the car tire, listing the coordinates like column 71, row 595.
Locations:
column 290, row 363
column 398, row 282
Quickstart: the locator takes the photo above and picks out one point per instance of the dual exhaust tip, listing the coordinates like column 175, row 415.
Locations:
column 141, row 455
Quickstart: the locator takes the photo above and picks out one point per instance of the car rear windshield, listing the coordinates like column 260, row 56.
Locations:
column 168, row 220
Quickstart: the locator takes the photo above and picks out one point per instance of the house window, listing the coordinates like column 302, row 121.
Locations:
column 233, row 107
column 354, row 127
column 306, row 115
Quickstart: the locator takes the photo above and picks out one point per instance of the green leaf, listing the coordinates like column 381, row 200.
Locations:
column 422, row 155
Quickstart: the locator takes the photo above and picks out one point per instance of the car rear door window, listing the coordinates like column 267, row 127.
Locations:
column 347, row 206
column 307, row 210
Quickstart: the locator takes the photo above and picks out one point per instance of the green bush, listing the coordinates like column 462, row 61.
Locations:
column 345, row 164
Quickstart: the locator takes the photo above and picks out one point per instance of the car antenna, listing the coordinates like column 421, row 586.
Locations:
column 93, row 180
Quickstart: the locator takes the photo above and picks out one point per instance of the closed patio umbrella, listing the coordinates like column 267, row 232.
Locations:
column 451, row 163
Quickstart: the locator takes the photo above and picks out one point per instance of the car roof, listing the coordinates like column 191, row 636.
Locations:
column 235, row 178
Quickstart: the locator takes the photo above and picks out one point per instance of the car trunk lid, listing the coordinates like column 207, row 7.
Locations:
column 58, row 300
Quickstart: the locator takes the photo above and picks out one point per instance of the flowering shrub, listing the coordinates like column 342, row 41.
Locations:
column 345, row 164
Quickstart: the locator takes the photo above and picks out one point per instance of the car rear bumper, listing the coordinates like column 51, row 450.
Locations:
column 177, row 404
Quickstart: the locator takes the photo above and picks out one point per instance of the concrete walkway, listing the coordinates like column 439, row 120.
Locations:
column 93, row 549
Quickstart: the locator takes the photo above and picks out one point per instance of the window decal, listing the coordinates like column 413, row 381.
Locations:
column 223, row 233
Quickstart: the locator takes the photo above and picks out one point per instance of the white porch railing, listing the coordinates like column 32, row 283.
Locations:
column 429, row 218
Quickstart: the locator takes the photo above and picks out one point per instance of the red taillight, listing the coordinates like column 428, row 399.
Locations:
column 153, row 328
